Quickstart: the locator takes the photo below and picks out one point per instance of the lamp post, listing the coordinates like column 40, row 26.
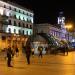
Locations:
column 68, row 27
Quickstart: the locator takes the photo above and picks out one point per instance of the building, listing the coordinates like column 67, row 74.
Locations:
column 19, row 24
column 58, row 30
column 49, row 29
column 61, row 22
column 54, row 30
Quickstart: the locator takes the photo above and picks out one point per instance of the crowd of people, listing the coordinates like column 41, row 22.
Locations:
column 11, row 51
column 28, row 52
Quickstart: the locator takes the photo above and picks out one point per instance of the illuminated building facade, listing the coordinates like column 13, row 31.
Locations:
column 65, row 33
column 54, row 30
column 20, row 23
column 61, row 22
column 57, row 30
column 49, row 29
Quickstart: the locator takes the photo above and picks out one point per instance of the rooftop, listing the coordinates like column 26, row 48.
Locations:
column 14, row 4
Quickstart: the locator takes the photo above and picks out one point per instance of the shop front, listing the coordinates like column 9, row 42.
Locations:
column 12, row 40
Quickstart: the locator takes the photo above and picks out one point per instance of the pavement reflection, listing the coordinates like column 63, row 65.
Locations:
column 48, row 65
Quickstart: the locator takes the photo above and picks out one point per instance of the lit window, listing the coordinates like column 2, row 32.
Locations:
column 27, row 19
column 23, row 18
column 19, row 18
column 23, row 32
column 9, row 30
column 19, row 31
column 30, row 33
column 27, row 32
column 14, row 30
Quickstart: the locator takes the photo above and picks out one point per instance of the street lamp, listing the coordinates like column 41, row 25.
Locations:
column 68, row 27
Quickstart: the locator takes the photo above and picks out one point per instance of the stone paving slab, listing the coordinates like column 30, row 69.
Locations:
column 48, row 65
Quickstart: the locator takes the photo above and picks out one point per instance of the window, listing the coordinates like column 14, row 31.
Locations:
column 14, row 30
column 15, row 16
column 23, row 32
column 23, row 12
column 23, row 25
column 30, row 20
column 27, row 32
column 31, row 26
column 19, row 24
column 19, row 31
column 27, row 14
column 19, row 11
column 4, row 6
column 30, row 15
column 10, row 14
column 19, row 18
column 23, row 19
column 27, row 26
column 14, row 23
column 27, row 19
column 10, row 7
column 10, row 22
column 15, row 9
column 30, row 33
column 9, row 30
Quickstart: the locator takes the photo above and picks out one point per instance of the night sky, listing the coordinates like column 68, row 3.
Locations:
column 46, row 11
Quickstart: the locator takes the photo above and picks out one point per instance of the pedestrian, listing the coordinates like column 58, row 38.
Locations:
column 17, row 51
column 13, row 51
column 28, row 53
column 23, row 48
column 47, row 50
column 9, row 56
column 32, row 51
column 66, row 49
column 40, row 49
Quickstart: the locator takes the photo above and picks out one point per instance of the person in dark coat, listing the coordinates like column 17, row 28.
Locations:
column 40, row 49
column 9, row 56
column 17, row 51
column 66, row 49
column 32, row 51
column 28, row 53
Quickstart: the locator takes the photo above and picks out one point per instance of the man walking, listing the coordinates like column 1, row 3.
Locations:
column 9, row 56
column 40, row 49
column 28, row 53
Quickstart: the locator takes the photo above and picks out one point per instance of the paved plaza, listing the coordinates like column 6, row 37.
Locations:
column 48, row 65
